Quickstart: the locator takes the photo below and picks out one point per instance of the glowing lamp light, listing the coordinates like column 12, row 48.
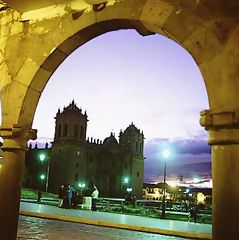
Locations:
column 126, row 180
column 129, row 189
column 42, row 157
column 42, row 176
column 81, row 185
column 166, row 154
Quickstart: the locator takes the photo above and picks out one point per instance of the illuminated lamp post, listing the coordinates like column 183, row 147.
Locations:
column 43, row 158
column 42, row 178
column 166, row 154
column 127, row 189
column 126, row 180
column 81, row 187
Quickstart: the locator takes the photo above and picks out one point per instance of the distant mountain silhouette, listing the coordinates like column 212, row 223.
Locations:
column 192, row 169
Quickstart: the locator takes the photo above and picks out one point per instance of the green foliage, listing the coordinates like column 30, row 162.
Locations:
column 28, row 193
column 32, row 194
column 149, row 212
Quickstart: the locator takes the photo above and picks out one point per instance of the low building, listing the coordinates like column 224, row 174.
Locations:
column 155, row 192
column 178, row 193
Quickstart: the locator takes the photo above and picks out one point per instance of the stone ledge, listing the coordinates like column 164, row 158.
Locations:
column 219, row 120
column 16, row 137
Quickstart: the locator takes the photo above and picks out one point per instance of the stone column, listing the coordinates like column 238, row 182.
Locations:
column 223, row 130
column 11, row 174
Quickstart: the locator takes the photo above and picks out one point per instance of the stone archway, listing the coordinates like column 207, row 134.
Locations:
column 34, row 43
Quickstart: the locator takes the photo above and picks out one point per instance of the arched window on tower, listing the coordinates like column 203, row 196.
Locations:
column 76, row 131
column 81, row 132
column 65, row 130
column 59, row 131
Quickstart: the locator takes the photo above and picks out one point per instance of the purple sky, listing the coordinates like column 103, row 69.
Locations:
column 120, row 77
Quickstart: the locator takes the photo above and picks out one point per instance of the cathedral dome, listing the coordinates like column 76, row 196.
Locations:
column 110, row 140
column 131, row 128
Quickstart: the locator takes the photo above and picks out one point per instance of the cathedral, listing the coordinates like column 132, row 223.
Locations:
column 112, row 165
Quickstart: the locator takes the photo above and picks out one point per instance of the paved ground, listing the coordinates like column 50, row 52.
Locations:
column 169, row 227
column 45, row 229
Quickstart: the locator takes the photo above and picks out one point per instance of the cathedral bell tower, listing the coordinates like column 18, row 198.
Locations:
column 67, row 148
column 132, row 149
column 71, row 124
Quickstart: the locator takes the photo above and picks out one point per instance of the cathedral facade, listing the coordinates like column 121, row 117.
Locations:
column 112, row 165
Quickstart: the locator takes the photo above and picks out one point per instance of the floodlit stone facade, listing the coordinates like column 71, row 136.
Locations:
column 36, row 36
column 74, row 159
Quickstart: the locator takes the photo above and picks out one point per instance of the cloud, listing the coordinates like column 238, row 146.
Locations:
column 195, row 146
column 41, row 142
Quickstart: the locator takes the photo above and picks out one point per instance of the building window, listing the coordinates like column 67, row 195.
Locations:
column 76, row 177
column 77, row 164
column 59, row 131
column 65, row 130
column 76, row 131
column 137, row 174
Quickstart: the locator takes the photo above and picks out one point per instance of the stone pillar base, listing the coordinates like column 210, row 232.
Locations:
column 225, row 171
column 11, row 174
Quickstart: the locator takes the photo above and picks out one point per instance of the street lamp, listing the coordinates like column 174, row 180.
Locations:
column 129, row 190
column 43, row 157
column 81, row 187
column 166, row 154
column 126, row 180
column 42, row 178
